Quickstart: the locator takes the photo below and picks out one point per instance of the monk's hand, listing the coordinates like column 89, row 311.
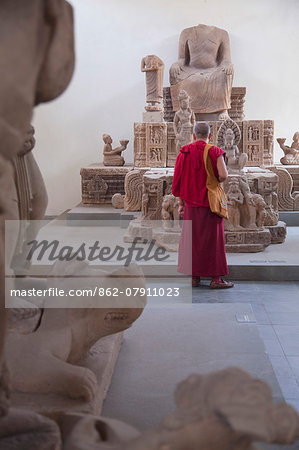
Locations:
column 228, row 68
column 181, row 210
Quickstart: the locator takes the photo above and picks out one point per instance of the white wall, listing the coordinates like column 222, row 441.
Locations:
column 107, row 93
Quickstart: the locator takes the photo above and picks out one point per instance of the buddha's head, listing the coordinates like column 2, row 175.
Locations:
column 183, row 99
column 107, row 139
column 296, row 137
column 229, row 137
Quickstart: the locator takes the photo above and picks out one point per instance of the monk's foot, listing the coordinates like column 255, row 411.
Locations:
column 195, row 281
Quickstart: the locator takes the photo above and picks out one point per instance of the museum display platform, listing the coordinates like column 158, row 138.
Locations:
column 277, row 262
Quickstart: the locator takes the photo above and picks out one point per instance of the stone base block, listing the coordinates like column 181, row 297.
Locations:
column 153, row 116
column 247, row 241
column 101, row 360
column 167, row 239
column 136, row 229
column 278, row 233
column 100, row 183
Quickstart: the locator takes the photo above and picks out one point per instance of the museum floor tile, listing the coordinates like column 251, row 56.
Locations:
column 276, row 309
column 251, row 326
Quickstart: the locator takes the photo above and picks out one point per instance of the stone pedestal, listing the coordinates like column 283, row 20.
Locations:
column 247, row 241
column 236, row 112
column 153, row 116
column 99, row 183
column 167, row 239
column 278, row 232
column 256, row 141
column 101, row 359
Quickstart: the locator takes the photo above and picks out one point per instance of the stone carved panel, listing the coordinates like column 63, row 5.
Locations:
column 133, row 190
column 288, row 199
column 100, row 183
column 268, row 142
column 140, row 144
column 253, row 141
column 156, row 144
column 236, row 111
column 152, row 197
column 171, row 145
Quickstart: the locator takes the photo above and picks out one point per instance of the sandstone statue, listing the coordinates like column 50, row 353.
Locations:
column 183, row 122
column 247, row 210
column 291, row 154
column 235, row 199
column 255, row 207
column 64, row 335
column 227, row 410
column 112, row 157
column 37, row 46
column 153, row 67
column 204, row 69
column 228, row 138
column 170, row 213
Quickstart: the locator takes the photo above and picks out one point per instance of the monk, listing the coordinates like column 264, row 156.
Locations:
column 207, row 228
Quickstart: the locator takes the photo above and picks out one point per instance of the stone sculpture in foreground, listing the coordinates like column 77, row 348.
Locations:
column 37, row 52
column 227, row 410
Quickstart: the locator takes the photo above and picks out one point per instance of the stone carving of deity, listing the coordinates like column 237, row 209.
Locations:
column 228, row 137
column 183, row 122
column 153, row 66
column 204, row 69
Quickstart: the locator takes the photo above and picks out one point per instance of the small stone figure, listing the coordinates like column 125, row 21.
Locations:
column 228, row 138
column 112, row 157
column 153, row 66
column 184, row 121
column 145, row 200
column 255, row 205
column 291, row 154
column 170, row 213
column 235, row 199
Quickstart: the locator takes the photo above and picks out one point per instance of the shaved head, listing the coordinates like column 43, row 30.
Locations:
column 201, row 130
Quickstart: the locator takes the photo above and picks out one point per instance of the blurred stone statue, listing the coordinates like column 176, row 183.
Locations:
column 227, row 410
column 291, row 154
column 112, row 156
column 183, row 122
column 37, row 54
column 153, row 67
column 204, row 69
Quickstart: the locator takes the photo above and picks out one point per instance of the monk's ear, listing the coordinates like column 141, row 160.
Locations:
column 58, row 64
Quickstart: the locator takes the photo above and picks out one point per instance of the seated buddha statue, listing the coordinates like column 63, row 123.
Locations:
column 204, row 70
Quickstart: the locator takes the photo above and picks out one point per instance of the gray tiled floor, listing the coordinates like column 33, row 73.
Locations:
column 276, row 309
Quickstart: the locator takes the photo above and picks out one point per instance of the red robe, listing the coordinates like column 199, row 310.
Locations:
column 202, row 243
